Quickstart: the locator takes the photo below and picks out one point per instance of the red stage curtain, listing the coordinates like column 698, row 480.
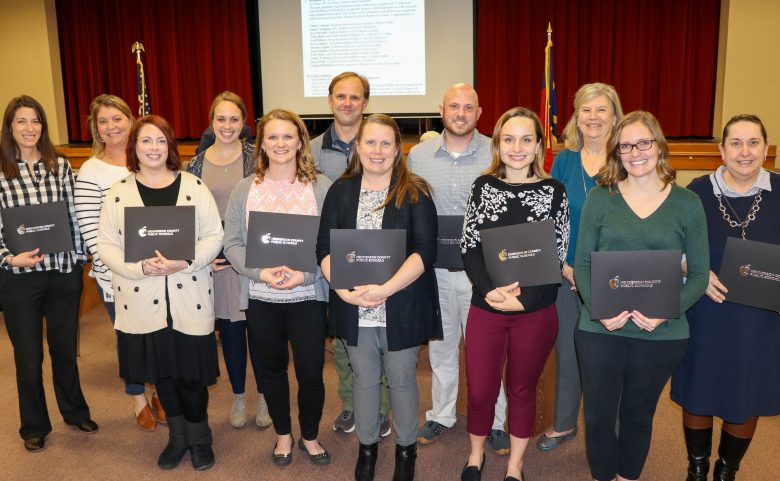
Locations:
column 661, row 56
column 195, row 49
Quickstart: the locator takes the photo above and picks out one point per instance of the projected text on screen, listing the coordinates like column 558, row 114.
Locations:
column 381, row 39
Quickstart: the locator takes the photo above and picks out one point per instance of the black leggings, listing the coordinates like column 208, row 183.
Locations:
column 302, row 325
column 622, row 377
column 183, row 398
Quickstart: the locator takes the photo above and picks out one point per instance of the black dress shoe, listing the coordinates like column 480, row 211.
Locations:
column 89, row 426
column 320, row 459
column 473, row 473
column 366, row 462
column 282, row 459
column 33, row 444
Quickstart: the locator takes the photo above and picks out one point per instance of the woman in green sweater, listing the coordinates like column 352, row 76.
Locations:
column 625, row 361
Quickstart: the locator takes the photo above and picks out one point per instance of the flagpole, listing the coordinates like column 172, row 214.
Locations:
column 143, row 96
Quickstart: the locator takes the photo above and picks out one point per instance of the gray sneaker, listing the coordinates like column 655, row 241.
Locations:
column 499, row 441
column 345, row 422
column 384, row 426
column 429, row 431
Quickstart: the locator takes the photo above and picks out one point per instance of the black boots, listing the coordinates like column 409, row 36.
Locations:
column 199, row 441
column 405, row 458
column 177, row 444
column 731, row 451
column 366, row 462
column 699, row 444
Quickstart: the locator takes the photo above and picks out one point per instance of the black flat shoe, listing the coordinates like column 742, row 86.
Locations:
column 33, row 444
column 473, row 473
column 282, row 459
column 89, row 426
column 321, row 459
column 512, row 478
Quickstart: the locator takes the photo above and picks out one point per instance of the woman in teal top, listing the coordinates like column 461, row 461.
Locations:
column 596, row 111
column 625, row 361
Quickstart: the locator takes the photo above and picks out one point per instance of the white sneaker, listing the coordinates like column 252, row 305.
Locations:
column 238, row 411
column 263, row 419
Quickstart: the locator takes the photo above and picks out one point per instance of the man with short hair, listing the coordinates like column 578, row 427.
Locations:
column 348, row 94
column 451, row 163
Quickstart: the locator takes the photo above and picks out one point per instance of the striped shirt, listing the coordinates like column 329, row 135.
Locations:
column 37, row 187
column 94, row 179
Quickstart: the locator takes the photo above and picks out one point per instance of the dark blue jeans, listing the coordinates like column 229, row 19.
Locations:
column 130, row 388
column 234, row 349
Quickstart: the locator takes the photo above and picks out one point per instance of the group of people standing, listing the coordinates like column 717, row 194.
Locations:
column 610, row 189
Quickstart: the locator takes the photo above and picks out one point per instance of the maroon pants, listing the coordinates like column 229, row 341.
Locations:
column 520, row 341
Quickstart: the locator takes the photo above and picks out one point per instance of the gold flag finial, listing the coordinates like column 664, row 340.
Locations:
column 137, row 48
column 549, row 32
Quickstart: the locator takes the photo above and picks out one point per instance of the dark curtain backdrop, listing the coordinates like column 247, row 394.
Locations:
column 195, row 49
column 661, row 56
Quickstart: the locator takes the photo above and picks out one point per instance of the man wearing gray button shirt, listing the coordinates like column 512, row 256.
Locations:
column 451, row 163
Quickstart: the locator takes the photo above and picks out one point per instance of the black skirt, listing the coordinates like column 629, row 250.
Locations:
column 147, row 358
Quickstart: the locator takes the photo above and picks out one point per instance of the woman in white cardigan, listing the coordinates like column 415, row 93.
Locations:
column 165, row 308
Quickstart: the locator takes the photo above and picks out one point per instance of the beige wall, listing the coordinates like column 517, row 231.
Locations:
column 749, row 64
column 30, row 53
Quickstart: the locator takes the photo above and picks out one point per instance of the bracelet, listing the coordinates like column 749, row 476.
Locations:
column 142, row 268
column 8, row 259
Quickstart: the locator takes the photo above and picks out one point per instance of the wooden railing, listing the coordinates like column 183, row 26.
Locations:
column 684, row 155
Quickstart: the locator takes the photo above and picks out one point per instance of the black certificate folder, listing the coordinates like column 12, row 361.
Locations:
column 751, row 272
column 40, row 226
column 646, row 281
column 364, row 256
column 168, row 229
column 448, row 242
column 525, row 253
column 282, row 240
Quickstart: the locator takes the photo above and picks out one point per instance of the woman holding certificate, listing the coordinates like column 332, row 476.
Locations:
column 109, row 122
column 509, row 326
column 384, row 324
column 222, row 166
column 732, row 367
column 626, row 360
column 284, row 306
column 33, row 282
column 596, row 111
column 165, row 309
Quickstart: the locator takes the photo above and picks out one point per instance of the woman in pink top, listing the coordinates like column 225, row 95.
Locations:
column 283, row 305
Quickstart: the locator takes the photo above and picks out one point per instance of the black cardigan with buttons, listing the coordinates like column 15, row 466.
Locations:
column 413, row 314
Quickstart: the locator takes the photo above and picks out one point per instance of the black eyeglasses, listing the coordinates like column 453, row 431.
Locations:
column 642, row 145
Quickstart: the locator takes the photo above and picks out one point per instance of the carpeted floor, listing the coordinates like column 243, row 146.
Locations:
column 119, row 451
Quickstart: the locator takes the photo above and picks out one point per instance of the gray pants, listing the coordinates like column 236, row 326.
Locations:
column 368, row 359
column 567, row 375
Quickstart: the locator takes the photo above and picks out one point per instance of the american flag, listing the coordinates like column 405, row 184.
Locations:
column 143, row 96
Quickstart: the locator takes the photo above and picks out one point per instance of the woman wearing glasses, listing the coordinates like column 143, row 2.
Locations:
column 732, row 367
column 626, row 360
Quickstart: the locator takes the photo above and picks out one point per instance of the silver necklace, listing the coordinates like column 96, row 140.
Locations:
column 742, row 224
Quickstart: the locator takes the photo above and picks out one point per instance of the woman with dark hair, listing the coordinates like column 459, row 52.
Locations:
column 283, row 306
column 34, row 285
column 165, row 308
column 596, row 111
column 509, row 327
column 221, row 166
column 731, row 369
column 625, row 361
column 384, row 325
column 109, row 122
